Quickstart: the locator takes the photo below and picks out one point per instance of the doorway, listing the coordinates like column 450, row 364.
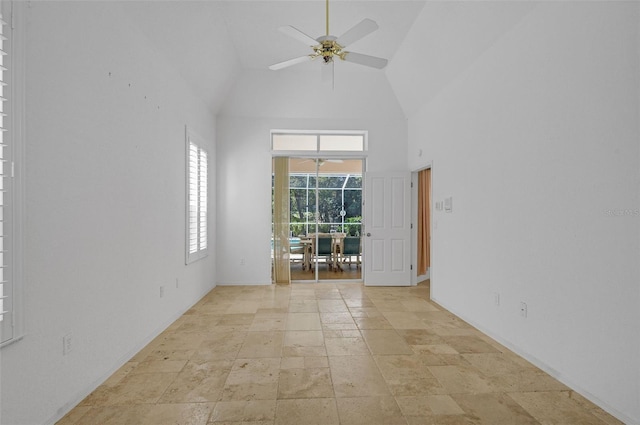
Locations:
column 422, row 217
column 324, row 218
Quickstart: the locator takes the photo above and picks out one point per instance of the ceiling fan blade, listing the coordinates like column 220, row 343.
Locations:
column 290, row 62
column 365, row 60
column 298, row 35
column 363, row 28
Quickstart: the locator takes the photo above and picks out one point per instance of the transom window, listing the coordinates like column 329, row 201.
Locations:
column 318, row 142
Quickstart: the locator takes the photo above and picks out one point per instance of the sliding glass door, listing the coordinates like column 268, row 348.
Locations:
column 325, row 210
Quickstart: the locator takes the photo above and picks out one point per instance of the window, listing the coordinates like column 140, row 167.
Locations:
column 5, row 242
column 11, row 124
column 339, row 142
column 197, row 199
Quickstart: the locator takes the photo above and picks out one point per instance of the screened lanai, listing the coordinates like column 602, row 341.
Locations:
column 325, row 202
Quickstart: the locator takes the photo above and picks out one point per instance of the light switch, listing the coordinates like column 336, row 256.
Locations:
column 448, row 204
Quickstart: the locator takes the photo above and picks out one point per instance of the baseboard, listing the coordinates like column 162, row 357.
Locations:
column 545, row 367
column 254, row 283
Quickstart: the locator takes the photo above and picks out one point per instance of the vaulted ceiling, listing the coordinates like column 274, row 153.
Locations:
column 223, row 49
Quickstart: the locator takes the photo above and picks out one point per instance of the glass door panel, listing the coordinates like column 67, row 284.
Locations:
column 325, row 203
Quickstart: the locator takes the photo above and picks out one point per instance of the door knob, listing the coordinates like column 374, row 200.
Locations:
column 368, row 235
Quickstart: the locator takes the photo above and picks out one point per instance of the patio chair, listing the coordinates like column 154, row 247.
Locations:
column 351, row 247
column 322, row 248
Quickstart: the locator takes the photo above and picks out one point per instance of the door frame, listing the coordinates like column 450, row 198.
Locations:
column 387, row 232
column 314, row 156
column 415, row 279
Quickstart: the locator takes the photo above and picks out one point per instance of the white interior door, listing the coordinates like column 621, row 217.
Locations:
column 387, row 229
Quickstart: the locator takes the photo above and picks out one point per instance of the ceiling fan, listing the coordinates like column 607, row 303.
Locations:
column 329, row 47
column 322, row 161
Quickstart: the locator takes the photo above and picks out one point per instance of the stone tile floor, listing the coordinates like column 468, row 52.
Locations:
column 328, row 354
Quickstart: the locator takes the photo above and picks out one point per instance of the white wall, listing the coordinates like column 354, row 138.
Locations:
column 537, row 140
column 262, row 101
column 105, row 195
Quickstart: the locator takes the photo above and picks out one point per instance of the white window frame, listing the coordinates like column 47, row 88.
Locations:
column 197, row 188
column 13, row 13
column 318, row 153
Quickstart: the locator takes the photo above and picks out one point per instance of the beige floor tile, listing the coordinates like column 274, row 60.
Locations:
column 315, row 362
column 316, row 411
column 420, row 337
column 336, row 318
column 172, row 341
column 389, row 306
column 417, row 304
column 469, row 344
column 332, row 306
column 358, row 302
column 406, row 375
column 120, row 374
column 292, row 363
column 183, row 414
column 303, row 339
column 341, row 333
column 262, row 344
column 357, row 376
column 269, row 323
column 372, row 323
column 346, row 347
column 404, row 320
column 252, row 379
column 457, row 379
column 74, row 416
column 154, row 366
column 449, row 372
column 304, row 351
column 386, row 342
column 589, row 406
column 339, row 327
column 365, row 312
column 303, row 306
column 243, row 411
column 199, row 381
column 176, row 354
column 303, row 322
column 370, row 411
column 494, row 409
column 236, row 319
column 140, row 388
column 220, row 345
column 244, row 307
column 428, row 405
column 554, row 407
column 199, row 323
column 444, row 420
column 116, row 415
column 305, row 383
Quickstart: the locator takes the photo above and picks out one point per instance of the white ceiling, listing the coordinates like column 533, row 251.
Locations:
column 253, row 27
column 211, row 41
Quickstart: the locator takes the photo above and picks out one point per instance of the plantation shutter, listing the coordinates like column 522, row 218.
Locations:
column 6, row 324
column 197, row 203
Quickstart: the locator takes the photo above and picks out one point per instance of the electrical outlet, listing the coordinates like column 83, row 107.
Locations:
column 242, row 262
column 67, row 344
column 177, row 283
column 523, row 309
column 496, row 298
column 161, row 291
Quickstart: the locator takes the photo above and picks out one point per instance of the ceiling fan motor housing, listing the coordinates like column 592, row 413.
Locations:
column 328, row 48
